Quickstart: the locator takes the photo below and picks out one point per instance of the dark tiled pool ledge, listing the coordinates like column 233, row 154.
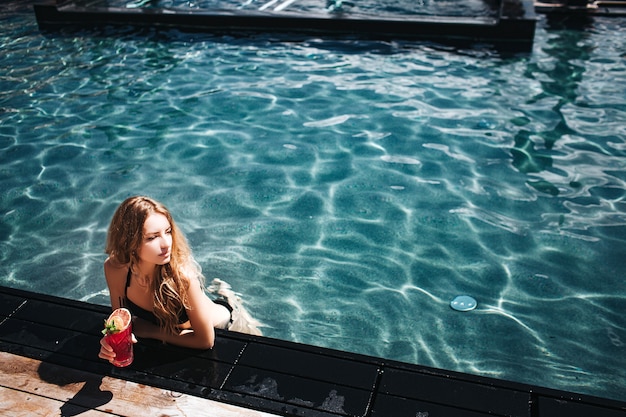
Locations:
column 510, row 27
column 275, row 376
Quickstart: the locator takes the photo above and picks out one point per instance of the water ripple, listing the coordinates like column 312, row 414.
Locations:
column 348, row 190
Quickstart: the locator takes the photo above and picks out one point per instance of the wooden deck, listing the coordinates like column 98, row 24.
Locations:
column 49, row 367
column 29, row 387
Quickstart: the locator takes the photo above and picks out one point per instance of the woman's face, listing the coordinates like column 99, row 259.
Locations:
column 156, row 246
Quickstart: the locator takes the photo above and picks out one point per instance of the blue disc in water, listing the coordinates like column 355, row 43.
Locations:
column 463, row 303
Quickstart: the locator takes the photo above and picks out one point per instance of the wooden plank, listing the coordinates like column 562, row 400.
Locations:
column 51, row 390
column 24, row 404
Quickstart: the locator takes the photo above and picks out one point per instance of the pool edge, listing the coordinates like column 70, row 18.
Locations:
column 370, row 386
column 512, row 29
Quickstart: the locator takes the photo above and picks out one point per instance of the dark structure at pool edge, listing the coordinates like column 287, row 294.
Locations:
column 275, row 376
column 512, row 27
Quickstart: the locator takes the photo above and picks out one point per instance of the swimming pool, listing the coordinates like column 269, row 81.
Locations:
column 348, row 190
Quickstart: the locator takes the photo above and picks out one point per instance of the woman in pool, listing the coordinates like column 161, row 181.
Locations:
column 151, row 271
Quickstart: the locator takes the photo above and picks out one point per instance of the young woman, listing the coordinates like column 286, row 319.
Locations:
column 151, row 271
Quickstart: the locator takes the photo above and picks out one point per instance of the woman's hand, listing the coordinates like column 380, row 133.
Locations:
column 106, row 351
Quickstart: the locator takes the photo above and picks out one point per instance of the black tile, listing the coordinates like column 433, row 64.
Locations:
column 198, row 370
column 226, row 348
column 29, row 295
column 62, row 316
column 69, row 317
column 297, row 391
column 390, row 406
column 455, row 392
column 48, row 358
column 275, row 376
column 9, row 303
column 191, row 370
column 310, row 365
column 266, row 405
column 50, row 339
column 549, row 407
column 97, row 366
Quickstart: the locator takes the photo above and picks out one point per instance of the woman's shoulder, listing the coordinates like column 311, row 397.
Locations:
column 191, row 272
column 112, row 262
column 114, row 268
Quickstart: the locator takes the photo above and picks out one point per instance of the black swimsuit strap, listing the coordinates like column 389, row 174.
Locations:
column 128, row 277
column 127, row 284
column 148, row 315
column 224, row 302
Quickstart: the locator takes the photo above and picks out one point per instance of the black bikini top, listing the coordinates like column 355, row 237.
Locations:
column 142, row 313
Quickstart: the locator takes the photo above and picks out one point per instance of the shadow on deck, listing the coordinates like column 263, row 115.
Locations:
column 275, row 376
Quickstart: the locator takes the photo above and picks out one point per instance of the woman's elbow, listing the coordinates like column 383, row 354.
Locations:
column 206, row 341
column 207, row 344
column 195, row 340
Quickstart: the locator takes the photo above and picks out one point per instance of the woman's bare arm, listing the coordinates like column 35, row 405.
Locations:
column 204, row 315
column 115, row 275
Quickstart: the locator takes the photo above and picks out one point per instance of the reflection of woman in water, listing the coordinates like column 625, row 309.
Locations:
column 151, row 271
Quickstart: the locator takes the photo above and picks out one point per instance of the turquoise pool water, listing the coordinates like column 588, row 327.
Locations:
column 348, row 190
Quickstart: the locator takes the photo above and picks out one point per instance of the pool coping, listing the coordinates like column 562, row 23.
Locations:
column 581, row 8
column 277, row 376
column 512, row 27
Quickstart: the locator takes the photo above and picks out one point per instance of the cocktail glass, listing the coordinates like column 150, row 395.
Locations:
column 121, row 340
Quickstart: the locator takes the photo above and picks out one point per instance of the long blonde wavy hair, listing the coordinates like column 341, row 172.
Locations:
column 170, row 283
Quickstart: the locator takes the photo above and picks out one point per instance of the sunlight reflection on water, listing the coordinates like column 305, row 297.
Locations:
column 349, row 196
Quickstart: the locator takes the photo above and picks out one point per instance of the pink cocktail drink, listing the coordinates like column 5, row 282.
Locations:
column 118, row 334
